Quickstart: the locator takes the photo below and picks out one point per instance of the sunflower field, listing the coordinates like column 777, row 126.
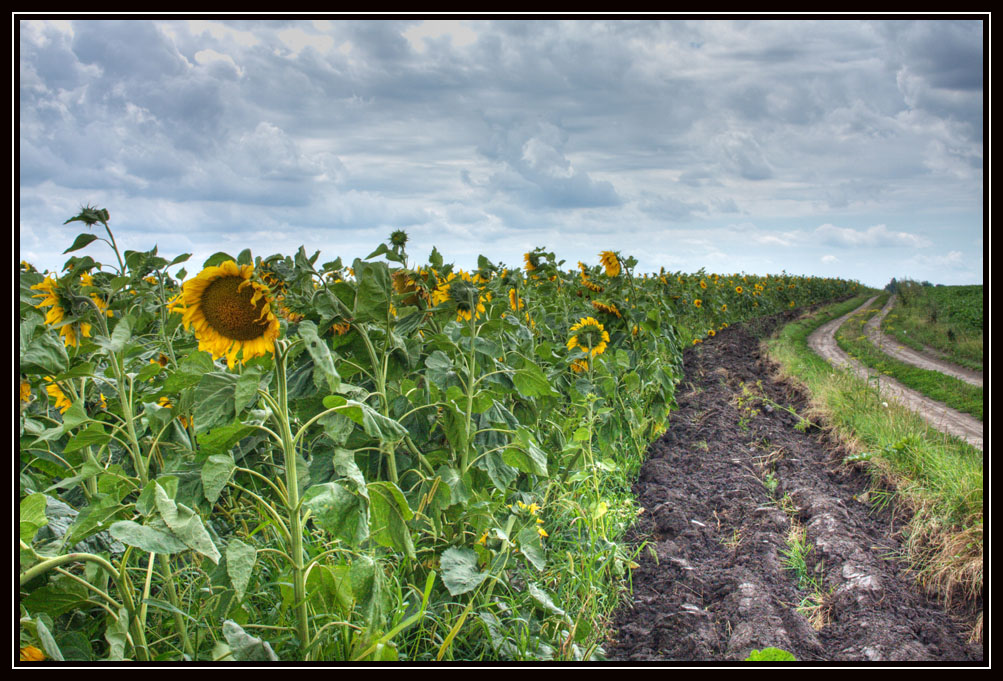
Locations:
column 271, row 458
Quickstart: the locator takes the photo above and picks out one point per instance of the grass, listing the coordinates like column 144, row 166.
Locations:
column 952, row 391
column 936, row 477
column 946, row 318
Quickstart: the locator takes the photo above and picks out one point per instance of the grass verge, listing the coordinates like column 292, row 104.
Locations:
column 945, row 318
column 935, row 477
column 952, row 391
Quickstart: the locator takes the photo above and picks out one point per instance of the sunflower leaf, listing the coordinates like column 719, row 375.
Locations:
column 389, row 516
column 186, row 525
column 81, row 241
column 323, row 361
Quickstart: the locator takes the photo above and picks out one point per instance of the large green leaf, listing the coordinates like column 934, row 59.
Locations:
column 459, row 570
column 372, row 296
column 215, row 400
column 32, row 516
column 325, row 374
column 247, row 648
column 240, row 558
column 185, row 524
column 388, row 517
column 525, row 455
column 147, row 538
column 46, row 353
column 216, row 472
column 343, row 513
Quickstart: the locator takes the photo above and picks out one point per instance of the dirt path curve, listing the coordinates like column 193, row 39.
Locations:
column 722, row 490
column 938, row 415
column 923, row 360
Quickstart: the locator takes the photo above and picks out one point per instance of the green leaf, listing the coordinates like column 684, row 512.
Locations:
column 541, row 597
column 771, row 655
column 81, row 241
column 94, row 518
column 240, row 558
column 246, row 389
column 116, row 633
column 119, row 337
column 216, row 472
column 459, row 570
column 525, row 455
column 530, row 381
column 389, row 514
column 217, row 258
column 146, row 538
column 531, row 545
column 46, row 352
column 343, row 513
column 32, row 518
column 185, row 524
column 372, row 296
column 323, row 361
column 93, row 434
column 247, row 648
column 48, row 643
column 214, row 401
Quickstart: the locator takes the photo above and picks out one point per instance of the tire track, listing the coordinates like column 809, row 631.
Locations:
column 939, row 416
column 892, row 347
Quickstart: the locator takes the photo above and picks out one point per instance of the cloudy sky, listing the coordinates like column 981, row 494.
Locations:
column 834, row 148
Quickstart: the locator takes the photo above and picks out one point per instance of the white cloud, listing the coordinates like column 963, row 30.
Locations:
column 876, row 236
column 829, row 259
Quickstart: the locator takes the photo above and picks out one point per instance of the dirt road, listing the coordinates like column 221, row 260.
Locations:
column 923, row 360
column 939, row 416
column 723, row 491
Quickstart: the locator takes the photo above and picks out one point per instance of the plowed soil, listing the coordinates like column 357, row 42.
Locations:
column 722, row 490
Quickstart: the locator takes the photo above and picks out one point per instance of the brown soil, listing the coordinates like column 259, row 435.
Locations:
column 716, row 587
column 937, row 414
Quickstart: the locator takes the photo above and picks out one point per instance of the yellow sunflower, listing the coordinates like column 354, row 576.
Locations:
column 608, row 308
column 25, row 391
column 609, row 260
column 579, row 365
column 72, row 332
column 31, row 654
column 62, row 402
column 532, row 261
column 698, row 302
column 590, row 336
column 231, row 312
column 514, row 301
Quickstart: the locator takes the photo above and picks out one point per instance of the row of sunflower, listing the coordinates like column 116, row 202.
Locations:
column 286, row 459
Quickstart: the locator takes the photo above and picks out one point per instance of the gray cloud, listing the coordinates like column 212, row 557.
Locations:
column 477, row 129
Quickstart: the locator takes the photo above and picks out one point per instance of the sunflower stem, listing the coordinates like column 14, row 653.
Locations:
column 292, row 500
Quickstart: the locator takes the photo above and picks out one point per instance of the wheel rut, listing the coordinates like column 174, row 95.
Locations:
column 736, row 476
column 937, row 414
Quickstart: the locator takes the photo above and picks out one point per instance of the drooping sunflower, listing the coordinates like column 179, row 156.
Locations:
column 514, row 301
column 590, row 337
column 72, row 332
column 231, row 312
column 59, row 398
column 591, row 285
column 31, row 654
column 609, row 260
column 25, row 390
column 532, row 261
column 608, row 308
column 467, row 298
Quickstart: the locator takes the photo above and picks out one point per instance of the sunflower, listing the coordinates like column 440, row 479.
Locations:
column 698, row 302
column 102, row 305
column 469, row 302
column 31, row 654
column 25, row 391
column 608, row 308
column 514, row 301
column 71, row 332
column 341, row 328
column 591, row 337
column 738, row 289
column 61, row 401
column 579, row 365
column 532, row 261
column 609, row 260
column 590, row 285
column 230, row 312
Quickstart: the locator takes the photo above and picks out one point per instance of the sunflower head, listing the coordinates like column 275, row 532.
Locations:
column 609, row 260
column 532, row 260
column 398, row 238
column 607, row 308
column 589, row 336
column 231, row 312
column 55, row 299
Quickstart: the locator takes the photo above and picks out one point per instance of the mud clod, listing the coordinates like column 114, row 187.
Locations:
column 726, row 488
